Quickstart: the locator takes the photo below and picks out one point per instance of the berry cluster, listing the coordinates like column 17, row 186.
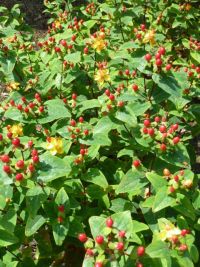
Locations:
column 113, row 245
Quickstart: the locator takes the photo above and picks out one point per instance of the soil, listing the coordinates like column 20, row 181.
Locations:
column 33, row 11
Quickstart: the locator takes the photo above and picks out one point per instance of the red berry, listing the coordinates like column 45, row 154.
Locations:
column 20, row 164
column 19, row 177
column 41, row 109
column 19, row 107
column 16, row 142
column 31, row 105
column 136, row 163
column 175, row 127
column 142, row 27
column 73, row 123
column 140, row 251
column 162, row 128
column 63, row 43
column 73, row 38
column 148, row 57
column 86, row 132
column 171, row 189
column 98, row 264
column 120, row 104
column 183, row 247
column 163, row 147
column 82, row 151
column 31, row 168
column 147, row 123
column 86, row 50
column 26, row 109
column 57, row 49
column 60, row 219
column 176, row 140
column 135, row 87
column 89, row 252
column 107, row 92
column 9, row 135
column 23, row 99
column 1, row 137
column 122, row 234
column 158, row 55
column 176, row 178
column 30, row 143
column 145, row 130
column 74, row 96
column 109, row 222
column 35, row 159
column 112, row 97
column 37, row 95
column 168, row 67
column 157, row 119
column 82, row 237
column 34, row 152
column 61, row 208
column 162, row 50
column 139, row 264
column 151, row 131
column 5, row 158
column 127, row 72
column 120, row 246
column 81, row 120
column 99, row 239
column 159, row 62
column 7, row 169
column 184, row 232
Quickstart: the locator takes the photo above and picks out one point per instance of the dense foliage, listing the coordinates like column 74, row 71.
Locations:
column 97, row 120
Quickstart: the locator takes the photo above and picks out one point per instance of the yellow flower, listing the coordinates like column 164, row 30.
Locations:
column 16, row 130
column 55, row 145
column 102, row 76
column 149, row 37
column 98, row 43
column 57, row 24
column 169, row 232
column 12, row 86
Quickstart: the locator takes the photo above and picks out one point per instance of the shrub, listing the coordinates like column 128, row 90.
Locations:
column 96, row 120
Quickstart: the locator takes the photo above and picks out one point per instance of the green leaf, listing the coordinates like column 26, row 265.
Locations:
column 14, row 114
column 88, row 104
column 60, row 232
column 97, row 225
column 132, row 182
column 63, row 199
column 168, row 84
column 51, row 168
column 34, row 224
column 56, row 110
column 178, row 157
column 158, row 249
column 162, row 200
column 7, row 239
column 4, row 177
column 95, row 176
column 156, row 180
column 123, row 221
column 185, row 207
column 74, row 57
column 34, row 199
column 139, row 227
column 127, row 117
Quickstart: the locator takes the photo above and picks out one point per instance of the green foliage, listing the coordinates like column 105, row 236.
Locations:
column 96, row 122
